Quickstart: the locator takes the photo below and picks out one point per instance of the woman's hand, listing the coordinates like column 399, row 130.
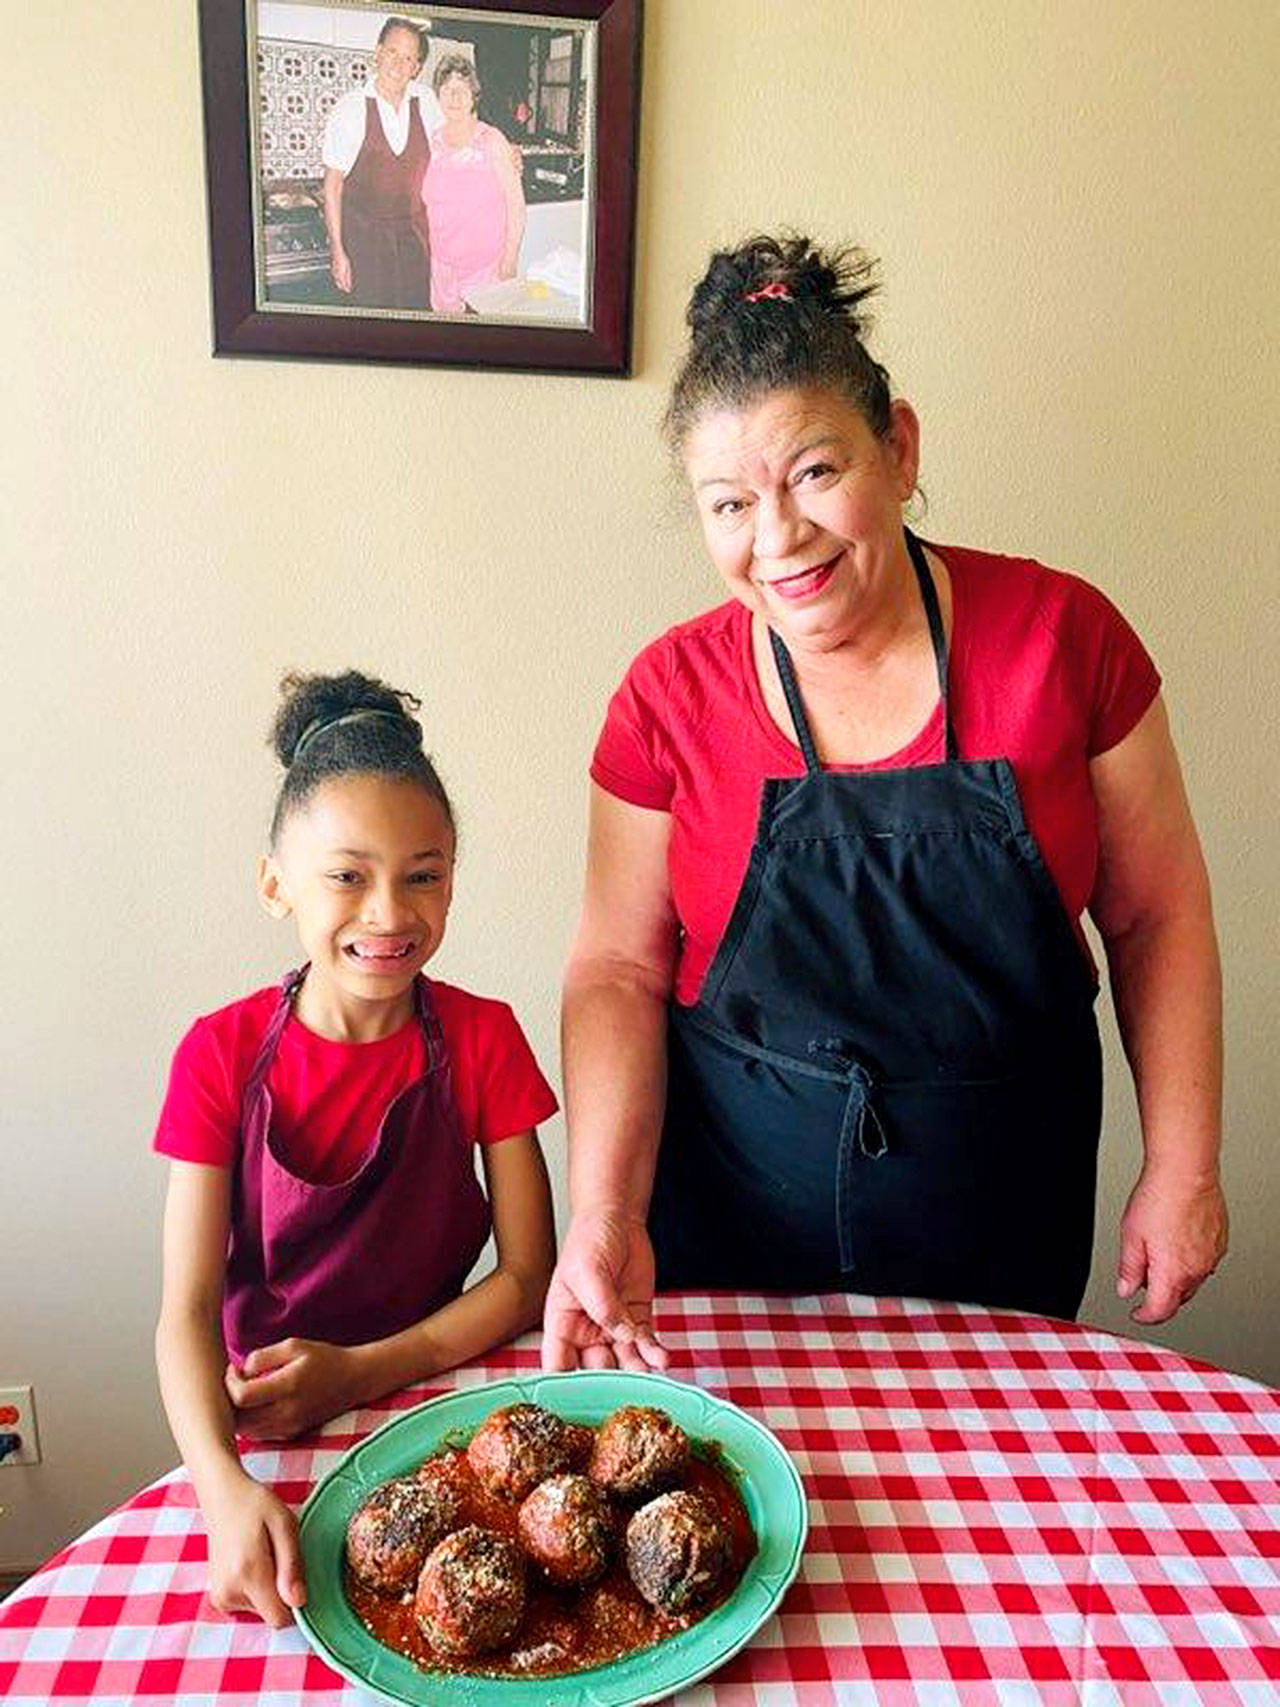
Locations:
column 1172, row 1236
column 255, row 1562
column 599, row 1311
column 285, row 1389
column 340, row 262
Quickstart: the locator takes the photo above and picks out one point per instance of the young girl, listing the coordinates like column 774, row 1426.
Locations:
column 323, row 1210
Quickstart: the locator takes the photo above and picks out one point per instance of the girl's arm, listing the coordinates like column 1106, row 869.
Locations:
column 620, row 975
column 1151, row 902
column 254, row 1560
column 506, row 1301
column 506, row 163
column 287, row 1388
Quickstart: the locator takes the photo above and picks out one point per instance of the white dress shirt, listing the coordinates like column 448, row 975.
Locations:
column 344, row 132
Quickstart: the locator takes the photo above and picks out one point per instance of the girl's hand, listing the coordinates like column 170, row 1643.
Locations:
column 255, row 1562
column 599, row 1310
column 285, row 1389
column 1172, row 1236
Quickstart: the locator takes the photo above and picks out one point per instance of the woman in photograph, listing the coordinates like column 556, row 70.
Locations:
column 375, row 154
column 829, row 1018
column 472, row 193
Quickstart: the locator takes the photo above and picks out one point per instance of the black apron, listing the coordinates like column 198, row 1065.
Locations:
column 891, row 1081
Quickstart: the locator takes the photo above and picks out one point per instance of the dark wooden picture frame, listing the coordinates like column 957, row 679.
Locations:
column 248, row 322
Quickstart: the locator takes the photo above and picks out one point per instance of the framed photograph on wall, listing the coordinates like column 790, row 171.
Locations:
column 436, row 184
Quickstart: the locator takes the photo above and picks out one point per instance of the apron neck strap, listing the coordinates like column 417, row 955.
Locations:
column 937, row 634
column 423, row 1009
column 795, row 705
column 289, row 987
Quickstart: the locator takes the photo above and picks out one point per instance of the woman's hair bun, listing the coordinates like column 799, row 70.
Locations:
column 312, row 700
column 778, row 313
column 834, row 281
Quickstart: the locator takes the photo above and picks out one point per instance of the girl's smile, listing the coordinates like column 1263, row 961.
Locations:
column 365, row 867
column 381, row 954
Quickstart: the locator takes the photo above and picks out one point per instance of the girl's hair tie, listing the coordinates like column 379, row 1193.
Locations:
column 777, row 291
column 320, row 724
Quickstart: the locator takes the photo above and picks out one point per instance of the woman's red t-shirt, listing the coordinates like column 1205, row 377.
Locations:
column 1044, row 671
column 328, row 1098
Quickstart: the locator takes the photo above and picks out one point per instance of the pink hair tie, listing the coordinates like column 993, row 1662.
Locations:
column 777, row 292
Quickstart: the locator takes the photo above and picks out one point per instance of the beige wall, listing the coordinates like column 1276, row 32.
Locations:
column 1077, row 208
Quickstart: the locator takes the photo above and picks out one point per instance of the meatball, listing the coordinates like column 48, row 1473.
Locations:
column 582, row 1440
column 518, row 1447
column 566, row 1526
column 471, row 1592
column 638, row 1451
column 446, row 1477
column 390, row 1535
column 677, row 1550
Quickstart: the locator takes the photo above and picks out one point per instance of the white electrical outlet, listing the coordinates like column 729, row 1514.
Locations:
column 18, row 1416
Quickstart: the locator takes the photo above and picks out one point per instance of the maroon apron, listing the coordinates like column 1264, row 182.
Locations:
column 366, row 1256
column 384, row 222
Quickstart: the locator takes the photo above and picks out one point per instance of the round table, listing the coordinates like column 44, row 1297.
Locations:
column 1003, row 1510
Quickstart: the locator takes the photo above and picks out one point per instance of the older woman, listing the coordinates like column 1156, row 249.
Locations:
column 829, row 1018
column 472, row 192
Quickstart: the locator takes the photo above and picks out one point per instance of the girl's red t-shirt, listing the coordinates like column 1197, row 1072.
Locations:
column 328, row 1098
column 1044, row 671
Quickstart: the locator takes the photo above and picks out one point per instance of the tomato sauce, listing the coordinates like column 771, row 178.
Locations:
column 564, row 1629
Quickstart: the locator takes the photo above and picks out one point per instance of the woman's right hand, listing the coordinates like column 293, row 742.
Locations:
column 599, row 1310
column 255, row 1561
column 342, row 276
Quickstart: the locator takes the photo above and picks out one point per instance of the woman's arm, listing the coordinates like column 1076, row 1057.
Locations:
column 286, row 1388
column 1151, row 903
column 506, row 165
column 339, row 260
column 254, row 1559
column 614, row 1039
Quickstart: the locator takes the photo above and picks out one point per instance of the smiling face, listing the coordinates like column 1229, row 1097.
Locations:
column 397, row 60
column 365, row 867
column 801, row 508
column 456, row 98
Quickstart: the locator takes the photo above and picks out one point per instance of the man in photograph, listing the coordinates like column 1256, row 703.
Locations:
column 375, row 156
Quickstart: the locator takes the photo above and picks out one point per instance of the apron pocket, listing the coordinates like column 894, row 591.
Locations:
column 985, row 1193
column 744, row 1193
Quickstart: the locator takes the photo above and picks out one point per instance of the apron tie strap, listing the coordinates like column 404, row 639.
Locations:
column 872, row 1140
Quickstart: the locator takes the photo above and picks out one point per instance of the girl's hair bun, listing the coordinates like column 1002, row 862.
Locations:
column 347, row 725
column 311, row 701
column 834, row 281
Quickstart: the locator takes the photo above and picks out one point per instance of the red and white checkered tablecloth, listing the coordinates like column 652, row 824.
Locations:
column 1004, row 1510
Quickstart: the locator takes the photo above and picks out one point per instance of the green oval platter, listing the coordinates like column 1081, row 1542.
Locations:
column 766, row 1477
